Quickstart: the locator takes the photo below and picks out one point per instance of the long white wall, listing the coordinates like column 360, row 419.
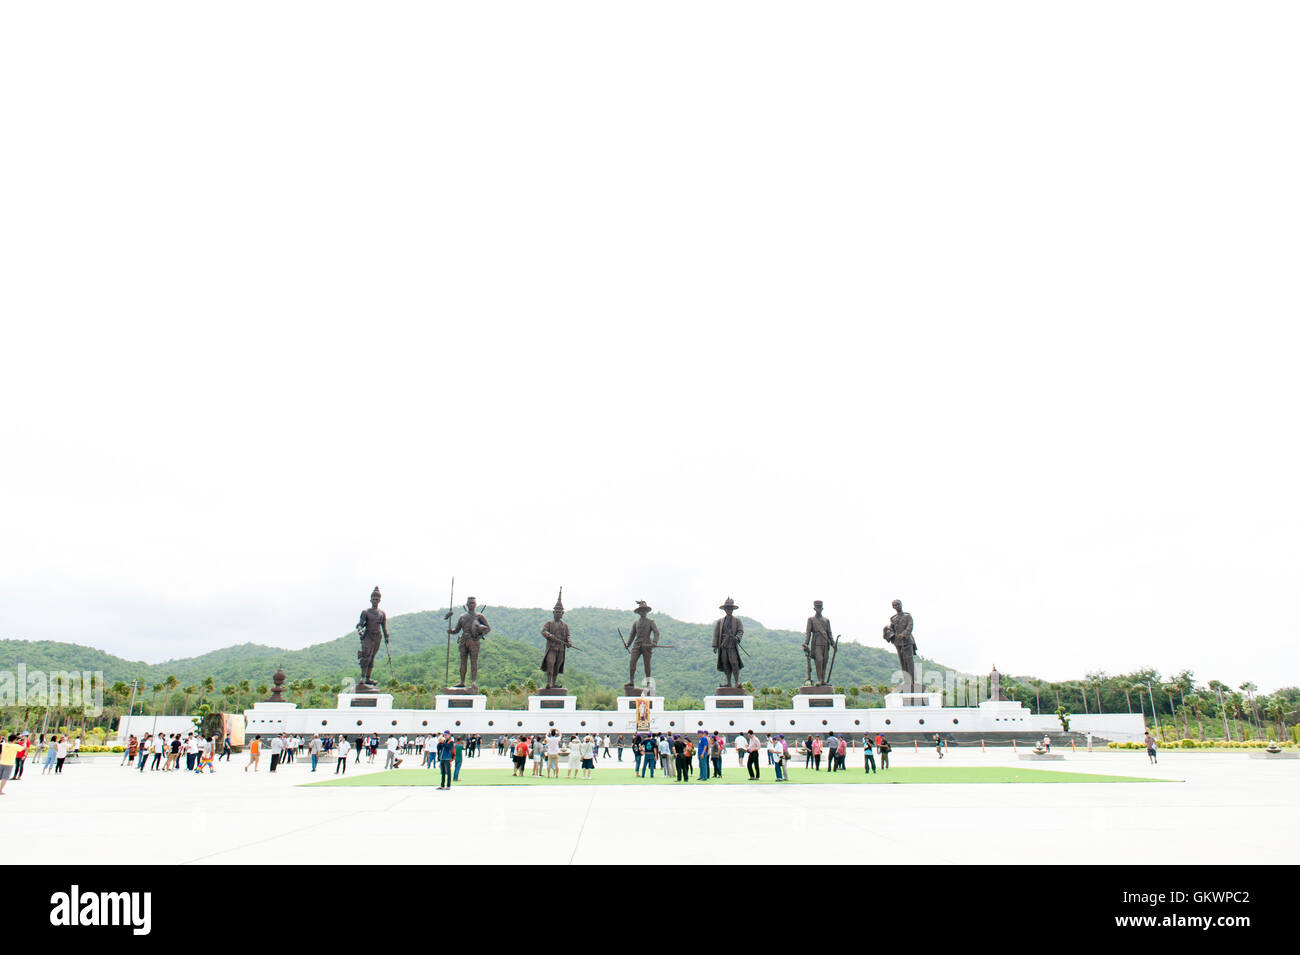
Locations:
column 987, row 718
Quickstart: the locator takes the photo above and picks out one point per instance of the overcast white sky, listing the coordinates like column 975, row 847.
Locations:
column 989, row 306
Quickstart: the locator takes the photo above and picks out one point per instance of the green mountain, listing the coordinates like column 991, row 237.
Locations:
column 512, row 653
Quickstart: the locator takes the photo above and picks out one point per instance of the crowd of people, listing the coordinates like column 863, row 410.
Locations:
column 679, row 755
column 19, row 747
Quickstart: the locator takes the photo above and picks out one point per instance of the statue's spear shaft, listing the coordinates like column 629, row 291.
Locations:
column 835, row 648
column 451, row 608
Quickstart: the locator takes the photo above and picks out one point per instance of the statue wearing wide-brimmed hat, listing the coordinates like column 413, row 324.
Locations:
column 642, row 641
column 727, row 632
column 556, row 633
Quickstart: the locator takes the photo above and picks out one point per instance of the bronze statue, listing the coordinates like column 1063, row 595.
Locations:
column 899, row 633
column 817, row 642
column 472, row 627
column 643, row 639
column 727, row 632
column 556, row 632
column 371, row 627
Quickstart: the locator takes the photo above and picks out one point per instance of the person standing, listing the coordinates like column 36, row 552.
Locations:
column 553, row 754
column 588, row 757
column 460, row 755
column 883, row 748
column 24, row 747
column 62, row 754
column 277, row 751
column 740, row 749
column 679, row 751
column 716, row 745
column 665, row 748
column 702, row 754
column 829, row 748
column 446, row 754
column 752, row 748
column 391, row 760
column 636, row 755
column 870, row 759
column 575, row 757
column 8, row 756
column 816, row 754
column 620, row 747
column 315, row 747
column 841, row 751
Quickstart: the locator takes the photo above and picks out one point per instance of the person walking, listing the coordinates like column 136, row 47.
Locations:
column 459, row 748
column 636, row 754
column 341, row 759
column 1151, row 748
column 938, row 745
column 254, row 753
column 51, row 754
column 225, row 748
column 751, row 763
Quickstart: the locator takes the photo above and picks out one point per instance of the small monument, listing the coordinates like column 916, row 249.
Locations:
column 278, row 689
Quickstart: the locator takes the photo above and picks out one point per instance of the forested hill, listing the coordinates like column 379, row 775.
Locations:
column 511, row 654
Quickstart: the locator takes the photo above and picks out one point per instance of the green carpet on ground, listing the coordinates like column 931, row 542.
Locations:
column 617, row 777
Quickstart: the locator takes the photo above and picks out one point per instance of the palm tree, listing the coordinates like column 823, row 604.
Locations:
column 171, row 683
column 1127, row 687
column 189, row 691
column 244, row 689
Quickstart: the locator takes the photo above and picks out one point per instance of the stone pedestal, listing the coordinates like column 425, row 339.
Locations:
column 1265, row 754
column 729, row 702
column 1034, row 757
column 817, row 689
column 554, row 700
column 459, row 702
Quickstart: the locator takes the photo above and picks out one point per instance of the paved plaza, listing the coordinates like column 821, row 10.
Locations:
column 1207, row 808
